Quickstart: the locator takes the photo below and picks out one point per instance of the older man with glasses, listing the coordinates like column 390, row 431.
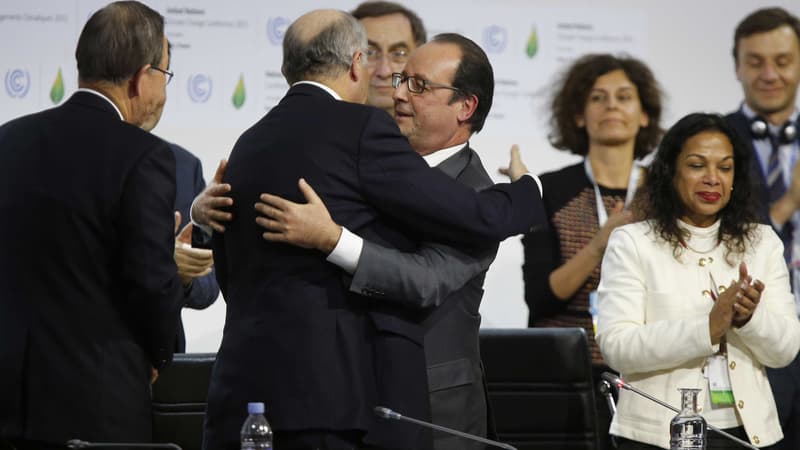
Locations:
column 91, row 294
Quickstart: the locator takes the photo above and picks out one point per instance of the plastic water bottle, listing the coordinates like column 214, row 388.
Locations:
column 256, row 433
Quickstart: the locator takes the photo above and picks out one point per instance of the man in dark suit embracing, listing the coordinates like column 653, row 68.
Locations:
column 319, row 356
column 90, row 292
column 441, row 98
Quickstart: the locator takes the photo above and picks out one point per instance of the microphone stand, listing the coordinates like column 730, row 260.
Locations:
column 77, row 443
column 617, row 381
column 387, row 413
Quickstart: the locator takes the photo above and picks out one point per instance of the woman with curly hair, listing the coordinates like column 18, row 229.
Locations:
column 606, row 109
column 669, row 315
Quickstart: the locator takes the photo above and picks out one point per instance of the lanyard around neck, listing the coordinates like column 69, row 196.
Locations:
column 633, row 182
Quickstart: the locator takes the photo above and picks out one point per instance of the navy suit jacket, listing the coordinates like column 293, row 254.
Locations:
column 319, row 356
column 90, row 292
column 189, row 184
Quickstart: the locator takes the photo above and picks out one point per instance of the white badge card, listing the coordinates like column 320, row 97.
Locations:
column 719, row 382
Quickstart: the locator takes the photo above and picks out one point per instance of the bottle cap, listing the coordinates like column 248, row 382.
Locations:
column 255, row 408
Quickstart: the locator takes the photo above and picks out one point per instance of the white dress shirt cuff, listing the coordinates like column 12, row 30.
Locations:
column 206, row 229
column 538, row 183
column 347, row 252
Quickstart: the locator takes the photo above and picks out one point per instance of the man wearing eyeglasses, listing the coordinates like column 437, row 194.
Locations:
column 441, row 98
column 91, row 295
column 393, row 32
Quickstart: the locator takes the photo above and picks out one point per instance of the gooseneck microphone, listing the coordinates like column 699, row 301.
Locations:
column 386, row 413
column 620, row 383
column 77, row 443
column 605, row 388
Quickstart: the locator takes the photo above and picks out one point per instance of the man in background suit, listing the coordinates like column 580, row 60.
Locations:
column 332, row 355
column 766, row 52
column 91, row 295
column 446, row 282
column 195, row 263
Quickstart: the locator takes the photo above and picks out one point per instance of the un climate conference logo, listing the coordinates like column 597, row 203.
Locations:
column 199, row 88
column 495, row 39
column 18, row 83
column 276, row 28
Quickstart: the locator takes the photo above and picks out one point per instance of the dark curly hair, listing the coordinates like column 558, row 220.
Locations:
column 659, row 202
column 574, row 86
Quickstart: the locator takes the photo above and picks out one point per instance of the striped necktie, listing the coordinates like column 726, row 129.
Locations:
column 776, row 187
column 775, row 183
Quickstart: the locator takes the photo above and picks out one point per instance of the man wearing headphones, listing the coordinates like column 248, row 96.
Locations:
column 766, row 52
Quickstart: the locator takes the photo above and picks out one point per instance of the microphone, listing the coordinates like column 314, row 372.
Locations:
column 605, row 388
column 77, row 443
column 620, row 383
column 386, row 413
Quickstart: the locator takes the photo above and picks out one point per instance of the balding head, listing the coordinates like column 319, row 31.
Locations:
column 320, row 45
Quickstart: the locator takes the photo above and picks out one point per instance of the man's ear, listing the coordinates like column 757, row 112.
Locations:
column 136, row 83
column 468, row 104
column 355, row 71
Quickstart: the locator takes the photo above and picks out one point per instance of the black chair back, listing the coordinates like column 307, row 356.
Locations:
column 179, row 400
column 540, row 387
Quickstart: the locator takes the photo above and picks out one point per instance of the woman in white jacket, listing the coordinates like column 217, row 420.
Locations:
column 698, row 282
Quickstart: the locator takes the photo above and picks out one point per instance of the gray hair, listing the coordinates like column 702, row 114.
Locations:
column 118, row 40
column 325, row 55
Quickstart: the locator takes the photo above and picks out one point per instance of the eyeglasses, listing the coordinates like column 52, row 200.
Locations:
column 168, row 74
column 417, row 85
column 397, row 56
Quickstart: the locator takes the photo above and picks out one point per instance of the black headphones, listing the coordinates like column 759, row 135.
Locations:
column 760, row 130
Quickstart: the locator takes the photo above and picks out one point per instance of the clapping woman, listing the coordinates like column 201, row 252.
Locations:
column 697, row 294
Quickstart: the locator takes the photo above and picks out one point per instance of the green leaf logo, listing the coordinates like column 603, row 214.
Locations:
column 57, row 91
column 239, row 93
column 533, row 44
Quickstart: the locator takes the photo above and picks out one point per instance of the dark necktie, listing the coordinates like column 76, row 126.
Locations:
column 777, row 187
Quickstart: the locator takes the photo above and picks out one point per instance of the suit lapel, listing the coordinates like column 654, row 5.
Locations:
column 455, row 165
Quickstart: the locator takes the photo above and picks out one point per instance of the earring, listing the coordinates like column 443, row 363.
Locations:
column 731, row 188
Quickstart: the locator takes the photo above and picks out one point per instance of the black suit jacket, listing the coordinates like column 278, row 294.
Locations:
column 90, row 292
column 448, row 283
column 294, row 337
column 189, row 184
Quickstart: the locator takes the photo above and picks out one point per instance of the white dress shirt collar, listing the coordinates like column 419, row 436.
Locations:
column 321, row 86
column 437, row 157
column 104, row 98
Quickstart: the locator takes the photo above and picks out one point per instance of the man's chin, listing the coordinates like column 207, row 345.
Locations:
column 380, row 101
column 770, row 106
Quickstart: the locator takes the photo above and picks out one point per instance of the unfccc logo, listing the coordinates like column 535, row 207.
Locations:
column 495, row 39
column 18, row 83
column 199, row 88
column 276, row 28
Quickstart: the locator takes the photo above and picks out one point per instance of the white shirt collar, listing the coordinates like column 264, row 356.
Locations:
column 321, row 86
column 438, row 157
column 103, row 97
